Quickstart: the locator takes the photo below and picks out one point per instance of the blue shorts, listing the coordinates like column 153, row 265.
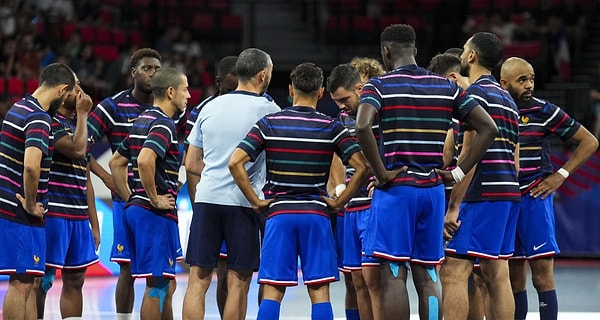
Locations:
column 406, row 224
column 212, row 224
column 289, row 236
column 69, row 244
column 487, row 229
column 155, row 242
column 536, row 237
column 120, row 251
column 355, row 227
column 22, row 248
column 339, row 242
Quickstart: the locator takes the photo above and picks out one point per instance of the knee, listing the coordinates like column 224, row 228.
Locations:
column 73, row 280
column 543, row 281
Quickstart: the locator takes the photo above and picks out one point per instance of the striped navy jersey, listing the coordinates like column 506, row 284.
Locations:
column 415, row 107
column 299, row 143
column 26, row 125
column 67, row 190
column 495, row 177
column 154, row 130
column 361, row 200
column 539, row 121
column 193, row 116
column 113, row 117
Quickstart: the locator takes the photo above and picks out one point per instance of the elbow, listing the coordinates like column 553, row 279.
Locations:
column 593, row 143
column 490, row 133
column 79, row 155
column 232, row 165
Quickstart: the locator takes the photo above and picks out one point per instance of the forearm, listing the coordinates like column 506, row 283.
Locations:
column 586, row 148
column 80, row 137
column 240, row 176
column 460, row 189
column 360, row 177
column 91, row 202
column 371, row 152
column 147, row 172
column 31, row 178
column 192, row 182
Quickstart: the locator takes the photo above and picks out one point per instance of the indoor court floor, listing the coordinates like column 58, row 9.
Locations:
column 577, row 281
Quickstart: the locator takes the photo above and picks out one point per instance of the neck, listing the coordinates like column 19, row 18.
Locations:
column 404, row 61
column 141, row 96
column 43, row 97
column 250, row 86
column 167, row 107
column 476, row 72
column 305, row 102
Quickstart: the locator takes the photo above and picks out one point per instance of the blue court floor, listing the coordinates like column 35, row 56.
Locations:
column 578, row 285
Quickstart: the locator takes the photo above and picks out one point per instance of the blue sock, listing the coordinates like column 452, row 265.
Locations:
column 352, row 314
column 322, row 311
column 548, row 305
column 520, row 305
column 268, row 310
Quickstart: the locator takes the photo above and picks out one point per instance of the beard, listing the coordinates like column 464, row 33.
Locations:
column 54, row 105
column 465, row 69
column 265, row 87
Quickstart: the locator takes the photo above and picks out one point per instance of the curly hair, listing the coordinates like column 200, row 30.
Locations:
column 143, row 53
column 367, row 67
column 307, row 78
column 399, row 33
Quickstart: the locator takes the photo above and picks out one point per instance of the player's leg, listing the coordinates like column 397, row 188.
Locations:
column 270, row 306
column 242, row 233
column 222, row 281
column 343, row 227
column 124, row 293
column 542, row 275
column 518, row 282
column 362, row 295
column 155, row 294
column 194, row 301
column 426, row 280
column 495, row 274
column 394, row 294
column 71, row 298
column 46, row 283
column 31, row 304
column 454, row 275
column 167, row 313
column 320, row 303
column 372, row 276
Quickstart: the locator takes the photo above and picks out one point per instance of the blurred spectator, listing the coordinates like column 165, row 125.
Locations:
column 89, row 69
column 72, row 47
column 502, row 28
column 558, row 40
column 186, row 45
column 29, row 58
column 8, row 58
column 199, row 75
column 528, row 29
column 8, row 27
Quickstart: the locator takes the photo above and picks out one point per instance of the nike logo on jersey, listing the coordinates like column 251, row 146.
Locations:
column 131, row 119
column 536, row 248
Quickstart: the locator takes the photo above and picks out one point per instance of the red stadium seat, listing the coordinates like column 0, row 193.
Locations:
column 136, row 38
column 16, row 87
column 523, row 49
column 31, row 84
column 476, row 6
column 103, row 35
column 416, row 21
column 504, row 5
column 88, row 34
column 231, row 22
column 528, row 4
column 106, row 52
column 429, row 5
column 385, row 21
column 119, row 37
column 2, row 86
column 338, row 23
column 363, row 24
column 218, row 5
column 203, row 22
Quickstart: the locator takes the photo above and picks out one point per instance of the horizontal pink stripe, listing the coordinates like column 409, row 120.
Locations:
column 128, row 104
column 412, row 77
column 413, row 153
column 498, row 161
column 529, row 169
column 67, row 185
column 11, row 181
column 299, row 118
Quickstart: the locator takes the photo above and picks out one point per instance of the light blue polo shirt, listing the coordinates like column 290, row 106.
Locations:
column 221, row 125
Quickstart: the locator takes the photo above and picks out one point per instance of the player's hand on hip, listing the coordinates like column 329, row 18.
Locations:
column 446, row 177
column 262, row 206
column 36, row 211
column 333, row 205
column 545, row 188
column 164, row 202
column 389, row 176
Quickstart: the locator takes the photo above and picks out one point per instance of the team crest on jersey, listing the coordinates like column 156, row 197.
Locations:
column 524, row 119
column 170, row 262
column 120, row 248
column 36, row 259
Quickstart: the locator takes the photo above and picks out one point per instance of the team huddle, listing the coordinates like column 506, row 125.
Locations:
column 444, row 172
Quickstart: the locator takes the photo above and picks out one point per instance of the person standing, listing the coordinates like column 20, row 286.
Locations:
column 150, row 216
column 72, row 230
column 298, row 143
column 221, row 212
column 344, row 84
column 483, row 208
column 414, row 107
column 25, row 157
column 113, row 119
column 536, row 240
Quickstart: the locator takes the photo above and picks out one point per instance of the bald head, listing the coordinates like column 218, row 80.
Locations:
column 517, row 77
column 512, row 65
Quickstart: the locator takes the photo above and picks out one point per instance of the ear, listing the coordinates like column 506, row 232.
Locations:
column 472, row 56
column 415, row 52
column 262, row 75
column 452, row 76
column 358, row 87
column 504, row 84
column 132, row 72
column 170, row 93
column 321, row 93
column 62, row 89
column 291, row 90
column 217, row 80
column 385, row 51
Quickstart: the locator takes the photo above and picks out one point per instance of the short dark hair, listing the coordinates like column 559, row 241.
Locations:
column 164, row 78
column 143, row 53
column 344, row 76
column 399, row 33
column 307, row 78
column 444, row 63
column 227, row 66
column 56, row 74
column 454, row 51
column 488, row 48
column 250, row 62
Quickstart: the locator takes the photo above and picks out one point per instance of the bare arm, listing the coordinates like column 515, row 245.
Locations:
column 147, row 170
column 362, row 173
column 118, row 168
column 196, row 159
column 76, row 147
column 587, row 145
column 31, row 178
column 93, row 214
column 101, row 173
column 449, row 148
column 240, row 175
column 337, row 177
